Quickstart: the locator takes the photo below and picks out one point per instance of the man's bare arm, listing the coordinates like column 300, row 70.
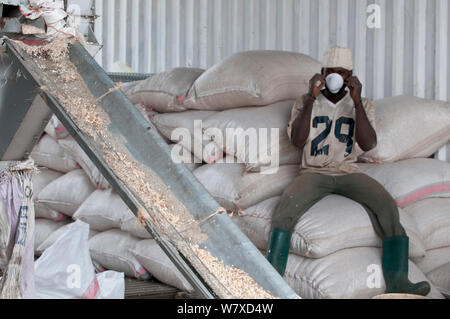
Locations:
column 365, row 135
column 301, row 125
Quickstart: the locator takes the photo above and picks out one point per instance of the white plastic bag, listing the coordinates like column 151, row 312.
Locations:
column 65, row 270
column 112, row 285
column 53, row 237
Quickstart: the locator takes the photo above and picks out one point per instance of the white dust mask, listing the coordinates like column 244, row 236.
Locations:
column 335, row 82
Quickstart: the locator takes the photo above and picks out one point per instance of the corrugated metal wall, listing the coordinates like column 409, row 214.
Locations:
column 409, row 54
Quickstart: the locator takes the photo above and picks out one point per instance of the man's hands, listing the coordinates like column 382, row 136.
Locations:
column 316, row 84
column 355, row 88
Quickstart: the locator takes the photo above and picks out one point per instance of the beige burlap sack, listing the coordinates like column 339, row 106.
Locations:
column 235, row 190
column 409, row 127
column 433, row 259
column 112, row 250
column 413, row 179
column 333, row 224
column 67, row 193
column 43, row 229
column 74, row 149
column 257, row 136
column 180, row 154
column 55, row 128
column 48, row 153
column 41, row 179
column 166, row 91
column 153, row 258
column 440, row 277
column 353, row 273
column 185, row 129
column 132, row 226
column 103, row 210
column 432, row 216
column 253, row 78
column 54, row 236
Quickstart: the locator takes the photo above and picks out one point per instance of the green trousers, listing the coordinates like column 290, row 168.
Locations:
column 308, row 188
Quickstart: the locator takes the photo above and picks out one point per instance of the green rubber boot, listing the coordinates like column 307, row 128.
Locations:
column 278, row 249
column 395, row 268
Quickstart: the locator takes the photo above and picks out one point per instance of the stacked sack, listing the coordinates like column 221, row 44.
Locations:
column 69, row 187
column 432, row 216
column 419, row 132
column 335, row 252
column 186, row 104
column 66, row 178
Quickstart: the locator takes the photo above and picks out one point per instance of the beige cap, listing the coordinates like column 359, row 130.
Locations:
column 338, row 57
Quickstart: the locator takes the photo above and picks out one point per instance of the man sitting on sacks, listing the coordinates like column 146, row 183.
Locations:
column 334, row 125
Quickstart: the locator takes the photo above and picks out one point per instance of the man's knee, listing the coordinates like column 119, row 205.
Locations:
column 306, row 190
column 367, row 185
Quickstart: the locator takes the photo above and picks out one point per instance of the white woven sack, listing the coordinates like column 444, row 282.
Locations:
column 41, row 179
column 55, row 235
column 440, row 277
column 180, row 128
column 235, row 190
column 246, row 133
column 67, row 193
column 433, row 259
column 432, row 216
column 182, row 155
column 75, row 150
column 413, row 179
column 333, row 224
column 132, row 226
column 50, row 154
column 253, row 78
column 112, row 250
column 103, row 210
column 153, row 258
column 409, row 127
column 43, row 229
column 166, row 91
column 347, row 274
column 55, row 129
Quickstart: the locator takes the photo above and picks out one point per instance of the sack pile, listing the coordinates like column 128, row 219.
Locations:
column 336, row 234
column 70, row 188
column 65, row 269
column 211, row 119
column 432, row 215
column 251, row 92
column 334, row 250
